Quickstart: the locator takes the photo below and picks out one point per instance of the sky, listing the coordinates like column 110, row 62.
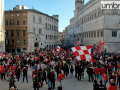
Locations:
column 63, row 8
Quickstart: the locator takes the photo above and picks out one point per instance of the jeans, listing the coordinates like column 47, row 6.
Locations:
column 25, row 75
column 96, row 75
column 49, row 83
column 105, row 82
column 101, row 76
column 32, row 68
column 71, row 73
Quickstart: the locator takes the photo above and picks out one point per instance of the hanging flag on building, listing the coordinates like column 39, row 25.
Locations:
column 100, row 46
column 78, row 42
column 82, row 52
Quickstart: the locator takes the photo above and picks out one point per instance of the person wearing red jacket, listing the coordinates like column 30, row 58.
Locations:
column 114, row 76
column 118, row 65
column 112, row 85
column 110, row 67
column 11, row 68
column 2, row 70
column 105, row 78
column 96, row 71
column 102, row 71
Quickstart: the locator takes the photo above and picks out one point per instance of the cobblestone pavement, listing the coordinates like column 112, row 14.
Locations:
column 69, row 83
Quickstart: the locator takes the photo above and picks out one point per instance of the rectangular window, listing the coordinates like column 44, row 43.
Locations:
column 34, row 30
column 23, row 22
column 6, row 22
column 46, row 25
column 114, row 33
column 18, row 40
column 23, row 33
column 40, row 31
column 17, row 22
column 18, row 33
column 6, row 41
column 24, row 41
column 11, row 22
column 12, row 33
column 101, row 33
column 102, row 12
column 12, row 41
column 98, row 34
column 6, row 33
column 99, row 13
column 95, row 15
column 94, row 34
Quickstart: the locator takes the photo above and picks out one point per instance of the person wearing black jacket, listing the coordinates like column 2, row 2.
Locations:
column 52, row 80
column 95, row 84
column 79, row 73
column 18, row 73
column 101, row 86
column 49, row 78
column 90, row 73
column 66, row 70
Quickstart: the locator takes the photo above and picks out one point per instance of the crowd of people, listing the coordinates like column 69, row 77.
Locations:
column 51, row 66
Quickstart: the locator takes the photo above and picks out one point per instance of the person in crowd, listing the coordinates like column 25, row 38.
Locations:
column 96, row 71
column 112, row 85
column 79, row 73
column 101, row 86
column 118, row 78
column 25, row 74
column 12, row 81
column 35, row 82
column 52, row 80
column 110, row 67
column 2, row 70
column 18, row 73
column 59, row 88
column 90, row 73
column 49, row 78
column 40, row 78
column 102, row 71
column 44, row 77
column 71, row 69
column 105, row 78
column 95, row 84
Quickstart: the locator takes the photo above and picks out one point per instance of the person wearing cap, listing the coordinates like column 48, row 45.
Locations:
column 101, row 86
column 112, row 85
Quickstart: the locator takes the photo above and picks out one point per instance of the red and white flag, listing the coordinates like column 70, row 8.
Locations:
column 59, row 48
column 94, row 52
column 82, row 52
column 100, row 46
column 77, row 43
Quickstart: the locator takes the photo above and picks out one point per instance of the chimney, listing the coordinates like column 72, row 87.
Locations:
column 13, row 8
column 22, row 7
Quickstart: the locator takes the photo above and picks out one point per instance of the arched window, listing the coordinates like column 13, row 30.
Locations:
column 33, row 19
column 40, row 20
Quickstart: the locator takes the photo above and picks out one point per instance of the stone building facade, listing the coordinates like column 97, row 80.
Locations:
column 41, row 30
column 2, row 27
column 91, row 24
column 60, row 38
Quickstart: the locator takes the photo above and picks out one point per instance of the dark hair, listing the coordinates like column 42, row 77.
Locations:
column 59, row 88
column 101, row 81
column 49, row 88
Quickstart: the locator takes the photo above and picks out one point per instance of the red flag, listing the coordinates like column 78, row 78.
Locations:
column 59, row 48
column 77, row 43
column 60, row 77
column 100, row 46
